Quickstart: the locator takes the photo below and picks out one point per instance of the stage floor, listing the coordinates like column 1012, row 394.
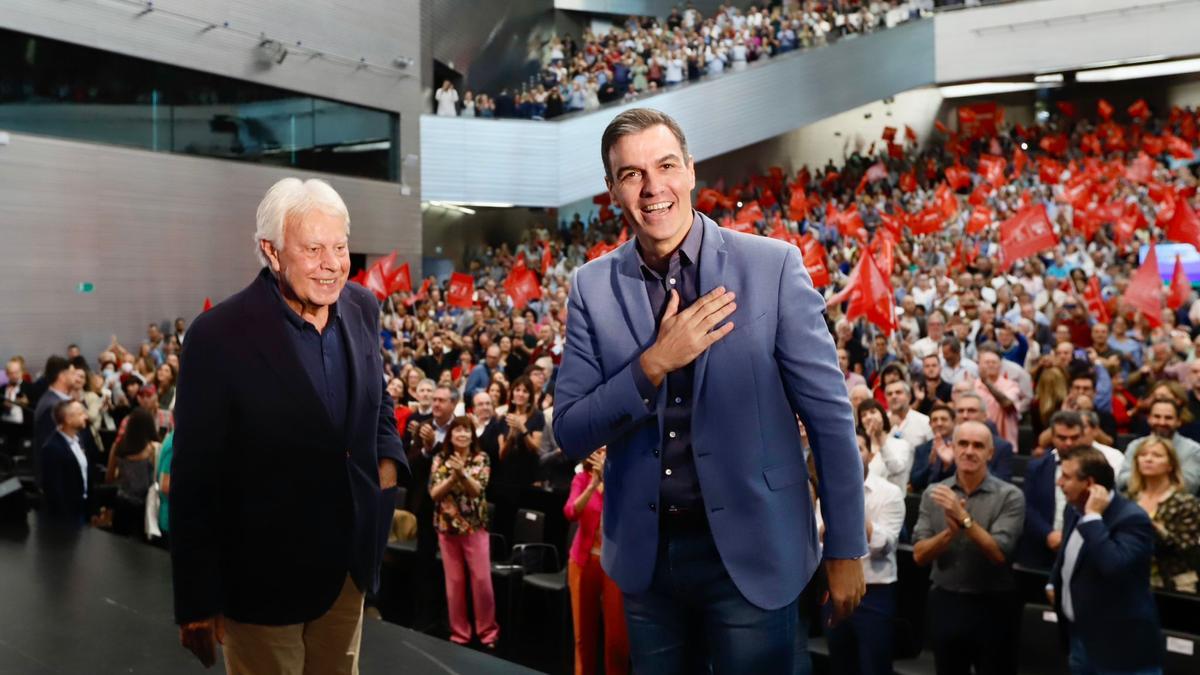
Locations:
column 89, row 602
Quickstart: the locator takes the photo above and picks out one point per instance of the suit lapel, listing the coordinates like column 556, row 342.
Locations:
column 634, row 301
column 351, row 320
column 713, row 257
column 268, row 333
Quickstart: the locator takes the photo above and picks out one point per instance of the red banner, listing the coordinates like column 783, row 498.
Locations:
column 461, row 291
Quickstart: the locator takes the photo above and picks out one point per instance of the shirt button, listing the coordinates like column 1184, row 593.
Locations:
column 672, row 434
column 678, row 400
column 672, row 280
column 656, row 452
column 645, row 401
column 653, row 507
column 668, row 472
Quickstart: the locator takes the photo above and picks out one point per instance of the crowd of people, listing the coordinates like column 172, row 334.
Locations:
column 986, row 359
column 644, row 55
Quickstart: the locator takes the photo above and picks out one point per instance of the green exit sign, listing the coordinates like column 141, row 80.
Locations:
column 85, row 287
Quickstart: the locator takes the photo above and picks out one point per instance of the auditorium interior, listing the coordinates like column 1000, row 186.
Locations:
column 977, row 178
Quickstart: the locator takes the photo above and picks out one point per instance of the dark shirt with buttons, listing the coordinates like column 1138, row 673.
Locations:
column 323, row 357
column 680, row 487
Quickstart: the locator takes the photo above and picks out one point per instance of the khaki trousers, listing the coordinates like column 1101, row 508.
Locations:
column 327, row 645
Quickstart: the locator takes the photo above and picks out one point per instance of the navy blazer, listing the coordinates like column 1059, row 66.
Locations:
column 1115, row 614
column 779, row 362
column 1039, row 489
column 271, row 506
column 62, row 482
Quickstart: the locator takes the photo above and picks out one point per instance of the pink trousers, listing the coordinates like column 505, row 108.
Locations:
column 464, row 554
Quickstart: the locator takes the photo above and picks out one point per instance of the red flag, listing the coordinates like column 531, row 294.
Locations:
column 737, row 225
column 980, row 218
column 892, row 224
column 207, row 304
column 946, row 201
column 522, row 286
column 547, row 258
column 1090, row 144
column 928, row 221
column 1104, row 109
column 400, row 280
column 937, row 124
column 1095, row 301
column 1181, row 288
column 980, row 194
column 1139, row 109
column 1140, row 170
column 798, row 204
column 461, row 291
column 603, row 199
column 1153, row 145
column 1145, row 290
column 1054, row 144
column 895, row 151
column 958, row 177
column 707, row 200
column 883, row 248
column 908, row 181
column 869, row 294
column 1019, row 161
column 814, row 262
column 750, row 213
column 376, row 280
column 1049, row 171
column 889, row 134
column 1067, row 108
column 991, row 167
column 848, row 222
column 1179, row 148
column 1027, row 233
column 1184, row 226
column 910, row 134
column 598, row 249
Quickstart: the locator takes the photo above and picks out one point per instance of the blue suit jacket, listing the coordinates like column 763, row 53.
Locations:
column 1115, row 614
column 779, row 362
column 1039, row 487
column 271, row 505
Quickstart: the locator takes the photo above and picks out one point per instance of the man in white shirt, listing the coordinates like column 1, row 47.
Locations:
column 955, row 366
column 863, row 642
column 907, row 423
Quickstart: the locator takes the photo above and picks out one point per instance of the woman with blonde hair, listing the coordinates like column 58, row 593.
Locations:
column 1156, row 484
column 1048, row 396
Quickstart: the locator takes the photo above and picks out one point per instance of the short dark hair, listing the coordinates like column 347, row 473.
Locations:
column 1091, row 463
column 633, row 121
column 872, row 404
column 1080, row 370
column 1066, row 418
column 54, row 366
column 952, row 343
column 895, row 368
column 1169, row 401
column 990, row 347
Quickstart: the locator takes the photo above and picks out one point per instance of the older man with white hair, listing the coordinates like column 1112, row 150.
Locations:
column 286, row 452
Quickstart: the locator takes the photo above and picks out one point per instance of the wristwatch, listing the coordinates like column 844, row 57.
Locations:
column 968, row 522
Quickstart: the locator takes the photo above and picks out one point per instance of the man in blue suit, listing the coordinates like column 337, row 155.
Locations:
column 1044, row 502
column 283, row 480
column 1100, row 582
column 690, row 352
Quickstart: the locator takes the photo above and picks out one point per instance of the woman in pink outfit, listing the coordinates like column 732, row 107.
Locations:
column 457, row 481
column 593, row 594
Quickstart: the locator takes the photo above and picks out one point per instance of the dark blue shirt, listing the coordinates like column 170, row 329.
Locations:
column 322, row 355
column 680, row 487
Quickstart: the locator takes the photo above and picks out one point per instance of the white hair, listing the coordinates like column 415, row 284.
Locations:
column 290, row 199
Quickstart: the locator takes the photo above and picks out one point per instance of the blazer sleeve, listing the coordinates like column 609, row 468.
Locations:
column 816, row 390
column 590, row 410
column 202, row 427
column 1118, row 549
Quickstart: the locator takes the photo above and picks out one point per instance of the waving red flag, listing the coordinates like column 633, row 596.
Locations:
column 892, row 224
column 1179, row 148
column 848, row 222
column 980, row 194
column 937, row 124
column 547, row 258
column 750, row 213
column 889, row 133
column 400, row 280
column 1145, row 290
column 1054, row 144
column 207, row 305
column 883, row 249
column 1066, row 107
column 376, row 280
column 1104, row 109
column 869, row 294
column 1027, row 233
column 598, row 249
column 946, row 201
column 1153, row 145
column 737, row 225
column 798, row 204
column 1049, row 171
column 1139, row 109
column 1020, row 159
column 991, row 167
column 928, row 221
column 1090, row 144
column 910, row 134
column 1140, row 170
column 895, row 151
column 522, row 286
column 980, row 218
column 1095, row 301
column 461, row 291
column 707, row 200
column 958, row 177
column 908, row 181
column 814, row 262
column 1181, row 288
column 1184, row 226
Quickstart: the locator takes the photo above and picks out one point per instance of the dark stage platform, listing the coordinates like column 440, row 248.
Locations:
column 90, row 602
